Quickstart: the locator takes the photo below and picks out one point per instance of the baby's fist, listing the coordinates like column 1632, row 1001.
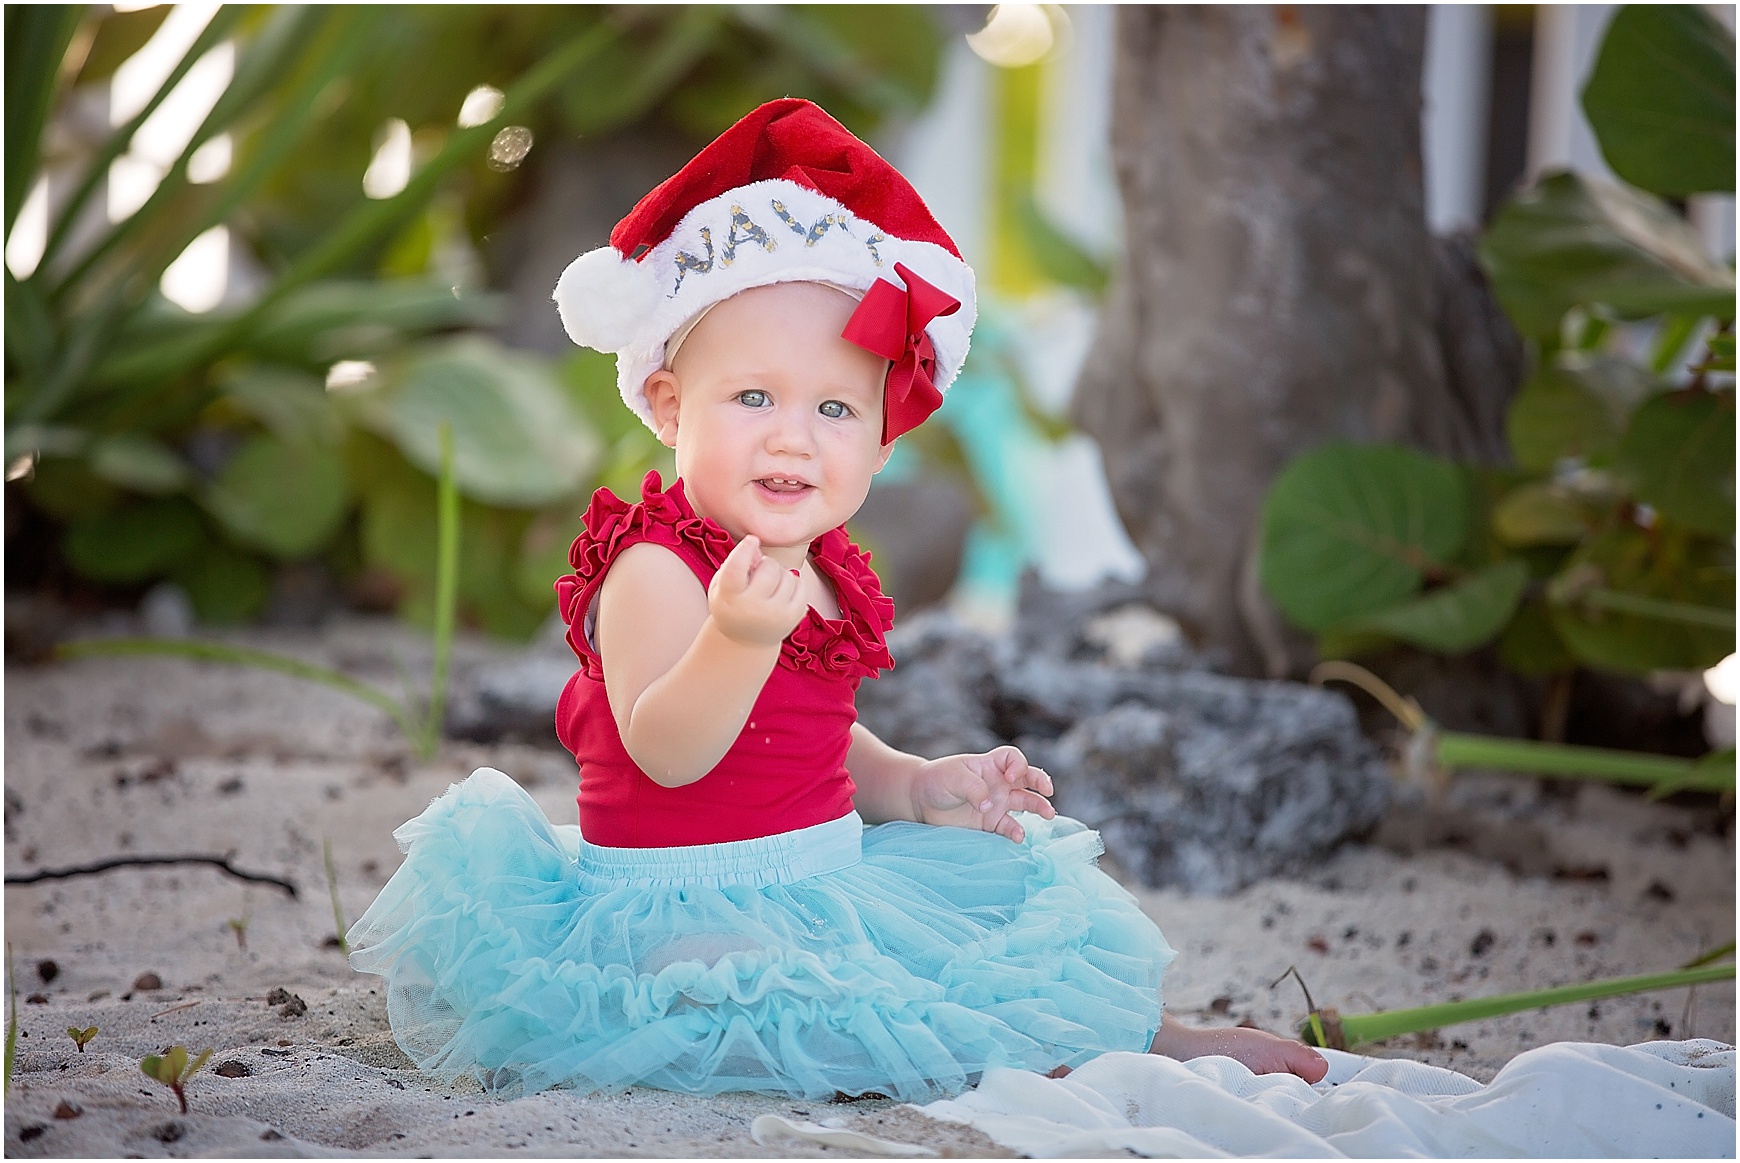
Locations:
column 753, row 599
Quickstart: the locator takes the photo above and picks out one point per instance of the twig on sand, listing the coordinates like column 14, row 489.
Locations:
column 219, row 862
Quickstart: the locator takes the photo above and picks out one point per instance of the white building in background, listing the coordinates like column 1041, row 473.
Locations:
column 1500, row 105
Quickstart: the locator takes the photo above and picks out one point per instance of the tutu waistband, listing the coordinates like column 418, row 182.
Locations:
column 780, row 859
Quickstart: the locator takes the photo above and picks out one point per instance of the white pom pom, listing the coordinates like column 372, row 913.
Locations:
column 605, row 300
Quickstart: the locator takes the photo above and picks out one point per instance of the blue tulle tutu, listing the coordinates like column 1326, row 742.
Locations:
column 516, row 953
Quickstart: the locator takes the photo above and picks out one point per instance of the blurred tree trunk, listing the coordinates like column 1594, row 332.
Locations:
column 1281, row 290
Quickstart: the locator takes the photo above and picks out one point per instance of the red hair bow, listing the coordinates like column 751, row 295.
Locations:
column 890, row 322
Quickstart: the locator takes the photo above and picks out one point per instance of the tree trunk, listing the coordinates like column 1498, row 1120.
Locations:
column 1281, row 291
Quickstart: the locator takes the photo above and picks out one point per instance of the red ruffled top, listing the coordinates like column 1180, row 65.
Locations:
column 787, row 769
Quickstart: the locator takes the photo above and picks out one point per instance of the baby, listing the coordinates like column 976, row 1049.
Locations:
column 762, row 895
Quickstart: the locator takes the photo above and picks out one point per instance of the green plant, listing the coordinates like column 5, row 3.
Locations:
column 173, row 1069
column 338, row 925
column 1611, row 543
column 11, row 1017
column 80, row 1037
column 422, row 728
column 205, row 448
column 1329, row 1027
column 1429, row 752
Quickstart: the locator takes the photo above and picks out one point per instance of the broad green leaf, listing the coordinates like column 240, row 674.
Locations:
column 287, row 499
column 518, row 441
column 226, row 585
column 1570, row 241
column 118, row 36
column 1555, row 416
column 1721, row 356
column 543, row 555
column 140, row 463
column 1349, row 530
column 67, row 488
column 1661, row 99
column 1540, row 514
column 352, row 319
column 1679, row 455
column 133, row 543
column 1530, row 645
column 292, row 404
column 1659, row 563
column 1457, row 617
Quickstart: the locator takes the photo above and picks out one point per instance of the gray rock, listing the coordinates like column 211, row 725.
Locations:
column 514, row 700
column 1208, row 783
column 937, row 700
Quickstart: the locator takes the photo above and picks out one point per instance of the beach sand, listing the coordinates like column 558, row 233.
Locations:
column 1507, row 885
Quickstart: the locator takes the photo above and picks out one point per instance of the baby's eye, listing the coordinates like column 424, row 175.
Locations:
column 753, row 398
column 834, row 410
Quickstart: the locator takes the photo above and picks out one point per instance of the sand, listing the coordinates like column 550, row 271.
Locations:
column 1506, row 885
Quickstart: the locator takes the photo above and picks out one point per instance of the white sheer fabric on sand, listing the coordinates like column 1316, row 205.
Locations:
column 1568, row 1099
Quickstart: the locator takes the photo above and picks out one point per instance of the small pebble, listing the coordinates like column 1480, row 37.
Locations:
column 66, row 1108
column 147, row 981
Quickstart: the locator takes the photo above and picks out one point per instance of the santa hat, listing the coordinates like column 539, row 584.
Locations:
column 785, row 195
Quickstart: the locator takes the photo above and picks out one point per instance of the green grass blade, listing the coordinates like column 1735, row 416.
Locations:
column 37, row 37
column 262, row 61
column 11, row 1018
column 1715, row 954
column 1662, row 609
column 1361, row 1028
column 220, row 26
column 1459, row 749
column 371, row 221
column 446, row 590
column 242, row 656
column 332, row 890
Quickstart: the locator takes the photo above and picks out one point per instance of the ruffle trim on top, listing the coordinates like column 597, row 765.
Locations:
column 850, row 646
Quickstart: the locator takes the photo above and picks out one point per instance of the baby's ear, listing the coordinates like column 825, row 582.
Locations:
column 882, row 456
column 662, row 398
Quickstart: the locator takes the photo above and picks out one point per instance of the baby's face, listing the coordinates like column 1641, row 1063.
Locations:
column 776, row 420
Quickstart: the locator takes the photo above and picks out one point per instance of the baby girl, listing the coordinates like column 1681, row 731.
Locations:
column 761, row 894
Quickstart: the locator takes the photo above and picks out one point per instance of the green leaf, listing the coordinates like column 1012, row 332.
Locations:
column 355, row 319
column 518, row 440
column 287, row 499
column 1660, row 563
column 543, row 556
column 292, row 404
column 1713, row 772
column 1679, row 456
column 1557, row 416
column 1539, row 514
column 1059, row 257
column 67, row 489
column 138, row 462
column 1457, row 617
column 1661, row 99
column 37, row 36
column 1348, row 530
column 119, row 35
column 133, row 543
column 226, row 586
column 1721, row 357
column 1530, row 645
column 1569, row 241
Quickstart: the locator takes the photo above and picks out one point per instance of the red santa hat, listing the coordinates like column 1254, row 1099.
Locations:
column 785, row 195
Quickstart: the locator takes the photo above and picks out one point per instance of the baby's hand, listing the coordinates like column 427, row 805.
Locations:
column 753, row 599
column 979, row 791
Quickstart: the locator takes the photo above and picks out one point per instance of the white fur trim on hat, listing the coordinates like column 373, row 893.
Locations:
column 767, row 232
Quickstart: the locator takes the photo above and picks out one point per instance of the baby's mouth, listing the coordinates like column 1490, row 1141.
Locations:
column 785, row 486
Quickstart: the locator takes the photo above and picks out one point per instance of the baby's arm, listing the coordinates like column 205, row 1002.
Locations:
column 683, row 668
column 962, row 791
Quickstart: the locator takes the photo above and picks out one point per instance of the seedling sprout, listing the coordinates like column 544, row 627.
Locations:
column 173, row 1069
column 80, row 1037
